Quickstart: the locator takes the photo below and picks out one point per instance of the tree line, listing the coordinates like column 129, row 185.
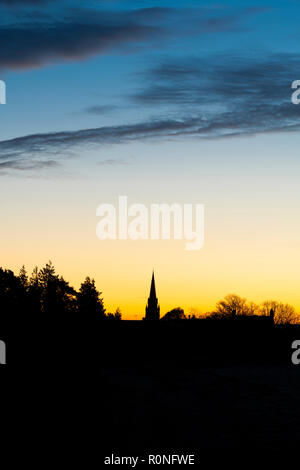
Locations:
column 46, row 292
column 284, row 314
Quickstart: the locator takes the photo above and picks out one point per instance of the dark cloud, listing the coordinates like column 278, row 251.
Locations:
column 24, row 2
column 37, row 45
column 38, row 38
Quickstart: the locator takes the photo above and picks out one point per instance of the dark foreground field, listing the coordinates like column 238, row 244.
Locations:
column 201, row 387
column 134, row 388
column 161, row 406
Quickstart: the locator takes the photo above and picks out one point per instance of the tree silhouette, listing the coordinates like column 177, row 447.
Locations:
column 56, row 294
column 115, row 316
column 267, row 306
column 46, row 294
column 12, row 293
column 89, row 300
column 253, row 309
column 34, row 293
column 230, row 305
column 174, row 314
column 23, row 277
column 285, row 314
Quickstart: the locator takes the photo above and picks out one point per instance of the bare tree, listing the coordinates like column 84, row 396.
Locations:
column 232, row 304
column 285, row 314
column 253, row 309
column 267, row 306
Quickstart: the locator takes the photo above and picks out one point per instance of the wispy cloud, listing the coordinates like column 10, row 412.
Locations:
column 113, row 162
column 240, row 121
column 212, row 98
column 220, row 79
column 27, row 165
column 100, row 109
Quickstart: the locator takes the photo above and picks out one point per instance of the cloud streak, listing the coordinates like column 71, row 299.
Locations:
column 46, row 150
column 212, row 98
column 219, row 79
column 100, row 109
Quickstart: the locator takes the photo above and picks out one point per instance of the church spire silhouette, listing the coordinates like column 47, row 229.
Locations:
column 152, row 308
column 153, row 290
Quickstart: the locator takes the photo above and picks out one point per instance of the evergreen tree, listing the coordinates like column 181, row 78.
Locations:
column 34, row 292
column 115, row 316
column 89, row 299
column 23, row 277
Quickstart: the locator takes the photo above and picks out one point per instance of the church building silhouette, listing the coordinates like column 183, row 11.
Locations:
column 152, row 307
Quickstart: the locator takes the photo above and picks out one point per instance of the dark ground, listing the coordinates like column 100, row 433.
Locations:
column 201, row 387
column 133, row 388
column 161, row 406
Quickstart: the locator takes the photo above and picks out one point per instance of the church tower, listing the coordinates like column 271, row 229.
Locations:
column 152, row 308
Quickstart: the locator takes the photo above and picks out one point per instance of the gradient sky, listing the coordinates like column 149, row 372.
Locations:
column 174, row 101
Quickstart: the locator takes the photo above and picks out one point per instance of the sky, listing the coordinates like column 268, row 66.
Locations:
column 165, row 102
